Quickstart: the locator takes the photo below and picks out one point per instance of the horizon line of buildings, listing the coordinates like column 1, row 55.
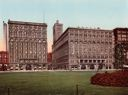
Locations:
column 75, row 48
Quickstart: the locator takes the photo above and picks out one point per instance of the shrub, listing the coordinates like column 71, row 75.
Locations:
column 117, row 79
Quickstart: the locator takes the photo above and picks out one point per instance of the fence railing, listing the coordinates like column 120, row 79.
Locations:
column 76, row 90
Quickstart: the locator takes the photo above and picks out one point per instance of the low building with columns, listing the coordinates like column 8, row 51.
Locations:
column 27, row 43
column 83, row 48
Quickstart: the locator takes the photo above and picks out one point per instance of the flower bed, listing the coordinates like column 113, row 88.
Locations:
column 117, row 79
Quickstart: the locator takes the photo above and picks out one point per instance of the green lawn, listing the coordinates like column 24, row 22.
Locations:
column 53, row 83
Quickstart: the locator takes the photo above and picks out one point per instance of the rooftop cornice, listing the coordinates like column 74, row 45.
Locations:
column 28, row 23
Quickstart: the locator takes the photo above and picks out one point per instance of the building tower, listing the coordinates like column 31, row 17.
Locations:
column 57, row 30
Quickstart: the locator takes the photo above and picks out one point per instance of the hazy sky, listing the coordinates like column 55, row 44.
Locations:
column 106, row 14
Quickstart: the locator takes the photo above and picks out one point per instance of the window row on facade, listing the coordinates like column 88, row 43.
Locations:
column 27, row 34
column 24, row 27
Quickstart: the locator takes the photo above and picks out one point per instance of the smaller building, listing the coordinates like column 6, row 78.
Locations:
column 49, row 58
column 121, row 46
column 4, row 60
column 120, row 35
column 49, row 61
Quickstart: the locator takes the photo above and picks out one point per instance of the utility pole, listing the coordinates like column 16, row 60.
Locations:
column 77, row 91
column 43, row 17
column 5, row 34
column 8, row 91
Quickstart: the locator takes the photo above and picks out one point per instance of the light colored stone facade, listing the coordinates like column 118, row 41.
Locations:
column 79, row 48
column 27, row 45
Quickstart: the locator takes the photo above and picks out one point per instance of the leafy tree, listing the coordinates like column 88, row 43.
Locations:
column 120, row 57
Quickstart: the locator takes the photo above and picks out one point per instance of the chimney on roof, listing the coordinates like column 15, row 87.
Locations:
column 98, row 27
column 57, row 21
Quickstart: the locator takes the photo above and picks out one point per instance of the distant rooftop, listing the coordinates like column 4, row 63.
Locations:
column 121, row 29
column 87, row 28
column 24, row 23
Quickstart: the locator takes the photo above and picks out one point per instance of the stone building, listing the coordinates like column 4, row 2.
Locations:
column 27, row 45
column 82, row 48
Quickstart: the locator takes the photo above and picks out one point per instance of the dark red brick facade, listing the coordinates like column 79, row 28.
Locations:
column 121, row 46
column 4, row 57
column 4, row 60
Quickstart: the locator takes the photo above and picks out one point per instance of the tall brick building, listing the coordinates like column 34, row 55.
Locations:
column 27, row 45
column 81, row 48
